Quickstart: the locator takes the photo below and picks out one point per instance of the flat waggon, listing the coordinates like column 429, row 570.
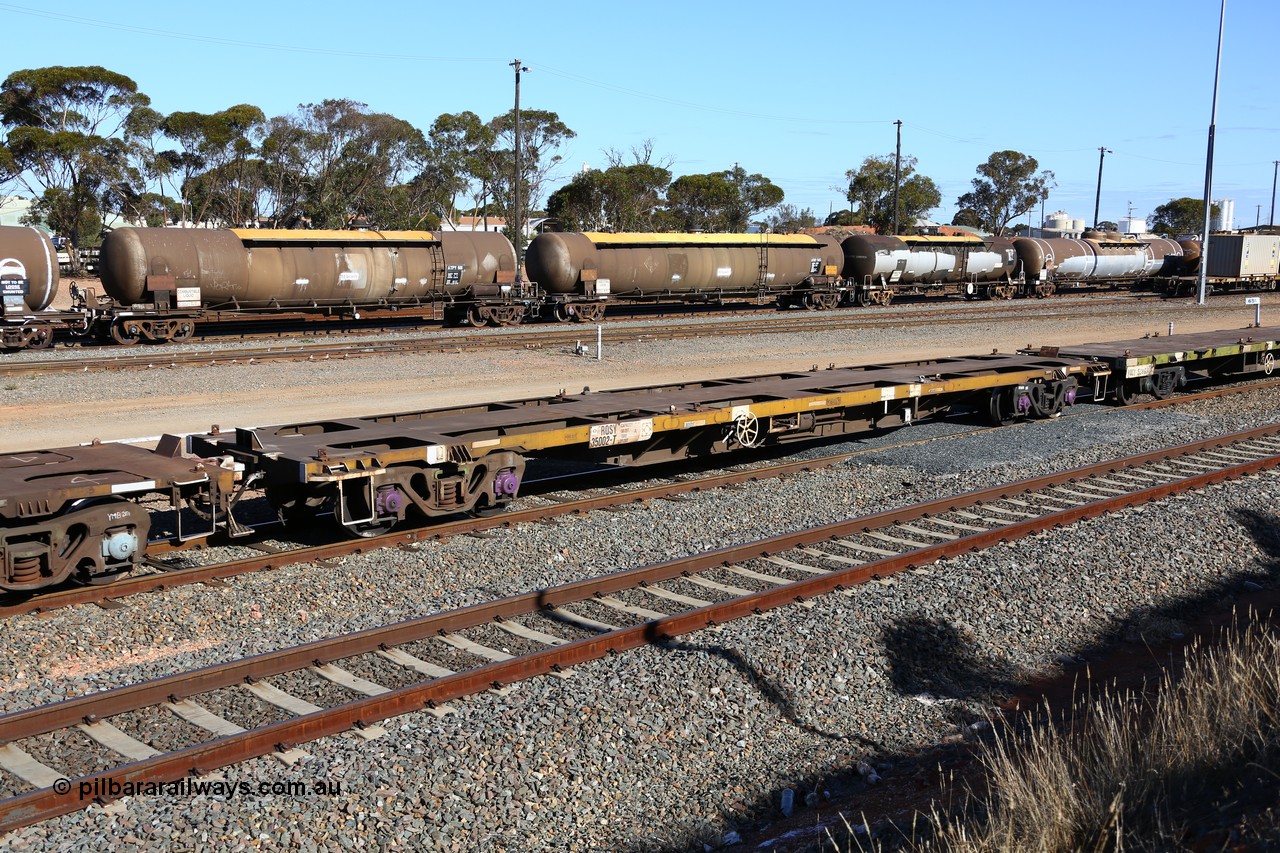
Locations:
column 89, row 513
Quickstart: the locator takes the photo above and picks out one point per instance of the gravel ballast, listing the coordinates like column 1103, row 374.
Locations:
column 671, row 747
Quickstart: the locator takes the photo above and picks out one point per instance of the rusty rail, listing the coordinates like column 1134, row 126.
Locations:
column 163, row 580
column 160, row 581
column 48, row 802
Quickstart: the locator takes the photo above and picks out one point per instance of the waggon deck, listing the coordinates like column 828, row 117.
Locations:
column 38, row 481
column 1123, row 356
column 601, row 419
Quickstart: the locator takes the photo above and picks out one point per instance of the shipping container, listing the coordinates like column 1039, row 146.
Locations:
column 1244, row 255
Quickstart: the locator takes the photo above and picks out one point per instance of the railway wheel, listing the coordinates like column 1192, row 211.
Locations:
column 119, row 545
column 862, row 297
column 295, row 507
column 183, row 331
column 998, row 408
column 1127, row 393
column 589, row 312
column 126, row 332
column 42, row 339
column 562, row 313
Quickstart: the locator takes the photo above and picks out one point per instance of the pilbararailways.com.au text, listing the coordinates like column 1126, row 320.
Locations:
column 111, row 789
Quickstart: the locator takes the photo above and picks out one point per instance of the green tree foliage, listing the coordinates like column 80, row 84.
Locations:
column 541, row 133
column 1179, row 216
column 623, row 197
column 788, row 219
column 720, row 201
column 840, row 217
column 216, row 169
column 1007, row 186
column 967, row 217
column 459, row 162
column 333, row 162
column 67, row 129
column 871, row 193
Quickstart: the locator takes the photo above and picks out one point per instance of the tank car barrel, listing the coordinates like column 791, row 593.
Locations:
column 655, row 264
column 263, row 267
column 28, row 268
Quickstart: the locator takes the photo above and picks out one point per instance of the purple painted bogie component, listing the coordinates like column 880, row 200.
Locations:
column 389, row 501
column 506, row 484
column 1024, row 403
column 1071, row 396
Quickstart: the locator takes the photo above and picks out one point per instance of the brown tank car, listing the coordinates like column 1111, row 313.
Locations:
column 688, row 266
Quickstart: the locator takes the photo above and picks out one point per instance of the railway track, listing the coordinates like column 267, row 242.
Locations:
column 164, row 576
column 543, row 338
column 552, row 630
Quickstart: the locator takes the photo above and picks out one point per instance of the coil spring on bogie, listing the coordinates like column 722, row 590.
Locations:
column 27, row 569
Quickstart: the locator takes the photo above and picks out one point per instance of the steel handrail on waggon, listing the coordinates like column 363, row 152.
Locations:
column 202, row 758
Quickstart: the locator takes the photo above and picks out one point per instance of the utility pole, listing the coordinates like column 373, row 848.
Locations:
column 897, row 176
column 515, row 187
column 1208, row 164
column 1276, row 163
column 1103, row 151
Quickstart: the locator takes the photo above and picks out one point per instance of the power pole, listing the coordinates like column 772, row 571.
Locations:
column 1276, row 163
column 1103, row 151
column 515, row 187
column 897, row 176
column 1208, row 165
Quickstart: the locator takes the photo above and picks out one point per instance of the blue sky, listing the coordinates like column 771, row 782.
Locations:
column 798, row 92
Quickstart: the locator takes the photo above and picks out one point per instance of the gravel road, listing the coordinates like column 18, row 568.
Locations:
column 41, row 412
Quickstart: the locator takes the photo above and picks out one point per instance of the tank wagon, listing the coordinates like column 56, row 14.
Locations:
column 88, row 513
column 472, row 274
column 796, row 270
column 29, row 281
column 878, row 266
column 1096, row 258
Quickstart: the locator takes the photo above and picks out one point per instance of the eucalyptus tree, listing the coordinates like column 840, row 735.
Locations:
column 66, row 143
column 216, row 168
column 1007, row 187
column 333, row 162
column 720, row 201
column 871, row 193
column 541, row 134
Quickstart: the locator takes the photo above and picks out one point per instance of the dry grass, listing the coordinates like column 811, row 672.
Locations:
column 1132, row 770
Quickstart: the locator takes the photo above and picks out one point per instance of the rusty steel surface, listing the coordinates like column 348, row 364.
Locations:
column 34, row 483
column 1196, row 344
column 608, row 419
column 926, row 260
column 44, row 803
column 28, row 263
column 164, row 580
column 264, row 268
column 644, row 264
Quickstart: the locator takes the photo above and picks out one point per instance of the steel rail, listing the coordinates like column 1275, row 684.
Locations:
column 49, row 802
column 163, row 580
